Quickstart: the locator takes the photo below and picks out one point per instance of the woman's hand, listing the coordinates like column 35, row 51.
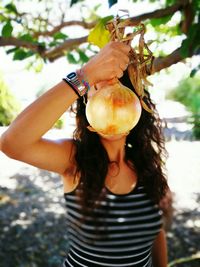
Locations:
column 108, row 64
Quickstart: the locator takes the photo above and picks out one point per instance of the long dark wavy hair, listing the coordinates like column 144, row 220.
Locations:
column 144, row 149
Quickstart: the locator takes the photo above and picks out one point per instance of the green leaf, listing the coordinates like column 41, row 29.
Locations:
column 196, row 5
column 2, row 18
column 26, row 37
column 42, row 45
column 7, row 29
column 11, row 50
column 170, row 2
column 194, row 71
column 97, row 7
column 74, row 2
column 160, row 21
column 83, row 57
column 60, row 35
column 71, row 59
column 99, row 35
column 39, row 66
column 184, row 51
column 11, row 7
column 53, row 43
column 197, row 49
column 21, row 54
column 192, row 42
column 111, row 2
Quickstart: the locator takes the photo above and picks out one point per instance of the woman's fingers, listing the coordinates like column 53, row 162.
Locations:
column 123, row 60
column 109, row 63
column 123, row 66
column 120, row 73
column 120, row 46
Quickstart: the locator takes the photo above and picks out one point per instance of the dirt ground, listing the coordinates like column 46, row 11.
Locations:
column 33, row 215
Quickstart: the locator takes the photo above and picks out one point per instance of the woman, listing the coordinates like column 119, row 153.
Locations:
column 112, row 184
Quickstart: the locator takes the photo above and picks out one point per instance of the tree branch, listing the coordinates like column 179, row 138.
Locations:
column 12, row 41
column 165, row 62
column 189, row 14
column 160, row 13
column 59, row 50
column 52, row 54
column 86, row 25
column 89, row 25
column 173, row 58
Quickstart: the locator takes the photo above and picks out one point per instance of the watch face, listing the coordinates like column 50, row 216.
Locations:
column 71, row 75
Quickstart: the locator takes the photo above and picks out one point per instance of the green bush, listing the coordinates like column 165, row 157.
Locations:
column 188, row 93
column 9, row 106
column 59, row 124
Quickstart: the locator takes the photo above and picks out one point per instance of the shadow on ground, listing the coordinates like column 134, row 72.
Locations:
column 184, row 235
column 33, row 224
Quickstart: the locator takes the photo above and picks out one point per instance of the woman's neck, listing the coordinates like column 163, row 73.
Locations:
column 115, row 148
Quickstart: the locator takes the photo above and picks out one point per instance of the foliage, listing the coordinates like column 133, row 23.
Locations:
column 78, row 56
column 99, row 35
column 188, row 93
column 59, row 124
column 9, row 106
column 42, row 35
column 190, row 259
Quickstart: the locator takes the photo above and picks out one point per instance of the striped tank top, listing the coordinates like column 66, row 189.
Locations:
column 122, row 235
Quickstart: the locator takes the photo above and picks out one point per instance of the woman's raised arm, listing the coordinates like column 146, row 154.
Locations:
column 24, row 138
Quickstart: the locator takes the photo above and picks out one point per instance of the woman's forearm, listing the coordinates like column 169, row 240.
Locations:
column 159, row 250
column 40, row 116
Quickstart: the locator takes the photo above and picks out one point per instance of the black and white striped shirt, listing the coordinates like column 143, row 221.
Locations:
column 122, row 235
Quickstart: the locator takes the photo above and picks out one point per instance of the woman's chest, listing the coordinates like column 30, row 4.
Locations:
column 121, row 179
column 130, row 219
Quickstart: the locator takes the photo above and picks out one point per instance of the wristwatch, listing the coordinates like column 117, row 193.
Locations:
column 73, row 79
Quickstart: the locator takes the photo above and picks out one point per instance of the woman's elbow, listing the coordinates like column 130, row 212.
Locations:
column 9, row 146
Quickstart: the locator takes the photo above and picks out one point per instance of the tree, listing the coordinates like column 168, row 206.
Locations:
column 42, row 34
column 9, row 106
column 187, row 93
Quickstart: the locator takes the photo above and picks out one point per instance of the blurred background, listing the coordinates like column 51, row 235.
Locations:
column 42, row 41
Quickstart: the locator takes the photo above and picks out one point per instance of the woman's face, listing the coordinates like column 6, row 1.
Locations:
column 115, row 137
column 93, row 90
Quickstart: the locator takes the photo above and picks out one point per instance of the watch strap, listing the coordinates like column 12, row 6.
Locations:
column 74, row 80
column 72, row 87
